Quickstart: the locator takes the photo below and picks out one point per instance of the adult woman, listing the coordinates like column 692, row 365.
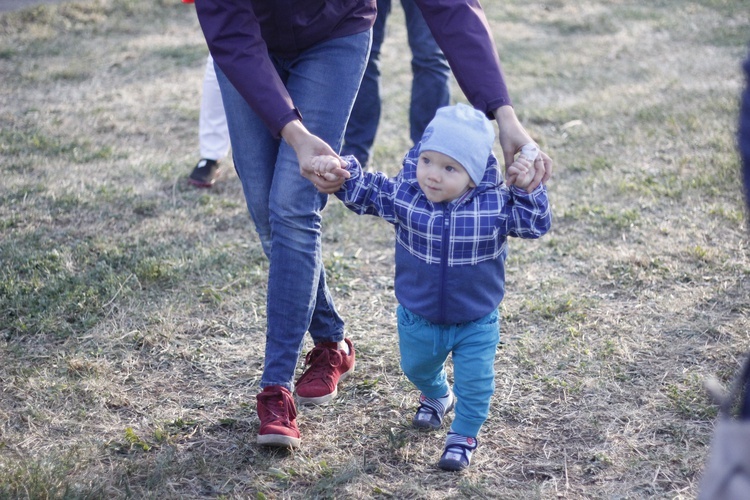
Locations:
column 290, row 70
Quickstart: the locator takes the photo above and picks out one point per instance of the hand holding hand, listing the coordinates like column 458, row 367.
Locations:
column 520, row 173
column 513, row 137
column 329, row 168
column 308, row 146
column 527, row 169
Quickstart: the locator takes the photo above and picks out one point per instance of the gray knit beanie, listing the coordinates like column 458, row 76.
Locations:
column 464, row 134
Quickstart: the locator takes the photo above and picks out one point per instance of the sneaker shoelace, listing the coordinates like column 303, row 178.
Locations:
column 276, row 405
column 320, row 360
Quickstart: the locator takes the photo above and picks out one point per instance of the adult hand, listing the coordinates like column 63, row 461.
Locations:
column 513, row 137
column 308, row 146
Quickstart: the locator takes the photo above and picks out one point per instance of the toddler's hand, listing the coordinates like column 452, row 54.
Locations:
column 523, row 170
column 330, row 168
column 520, row 173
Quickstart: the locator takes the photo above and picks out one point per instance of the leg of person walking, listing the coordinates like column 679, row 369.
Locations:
column 213, row 134
column 286, row 210
column 430, row 86
column 474, row 385
column 365, row 116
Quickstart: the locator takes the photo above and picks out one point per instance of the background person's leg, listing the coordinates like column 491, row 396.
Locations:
column 430, row 86
column 213, row 134
column 365, row 115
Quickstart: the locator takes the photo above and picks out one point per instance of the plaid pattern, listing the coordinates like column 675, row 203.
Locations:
column 473, row 226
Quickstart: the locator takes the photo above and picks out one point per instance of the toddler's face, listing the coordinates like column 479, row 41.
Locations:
column 441, row 177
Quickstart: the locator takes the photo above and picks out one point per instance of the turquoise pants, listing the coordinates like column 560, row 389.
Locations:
column 425, row 347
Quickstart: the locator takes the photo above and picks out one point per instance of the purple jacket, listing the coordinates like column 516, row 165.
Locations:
column 241, row 34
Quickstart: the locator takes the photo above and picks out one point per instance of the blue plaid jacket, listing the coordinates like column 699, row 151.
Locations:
column 450, row 257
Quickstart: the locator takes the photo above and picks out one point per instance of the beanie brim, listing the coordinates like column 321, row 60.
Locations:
column 464, row 134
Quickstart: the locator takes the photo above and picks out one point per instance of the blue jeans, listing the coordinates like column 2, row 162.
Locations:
column 424, row 348
column 286, row 207
column 430, row 83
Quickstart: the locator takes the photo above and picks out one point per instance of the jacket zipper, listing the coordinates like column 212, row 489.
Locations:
column 444, row 260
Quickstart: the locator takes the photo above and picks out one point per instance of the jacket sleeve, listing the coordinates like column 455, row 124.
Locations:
column 463, row 33
column 368, row 193
column 528, row 214
column 234, row 38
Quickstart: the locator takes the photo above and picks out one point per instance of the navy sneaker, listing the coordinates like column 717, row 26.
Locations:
column 204, row 174
column 457, row 453
column 431, row 412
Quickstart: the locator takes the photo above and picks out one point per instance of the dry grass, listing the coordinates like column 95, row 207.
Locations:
column 132, row 306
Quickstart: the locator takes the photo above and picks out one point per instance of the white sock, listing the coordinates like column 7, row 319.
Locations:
column 343, row 346
column 446, row 400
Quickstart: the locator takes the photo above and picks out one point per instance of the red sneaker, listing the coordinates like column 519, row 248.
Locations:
column 327, row 364
column 278, row 418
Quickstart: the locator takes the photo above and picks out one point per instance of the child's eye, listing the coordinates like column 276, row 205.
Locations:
column 450, row 168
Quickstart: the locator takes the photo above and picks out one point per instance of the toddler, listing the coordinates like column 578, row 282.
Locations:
column 452, row 214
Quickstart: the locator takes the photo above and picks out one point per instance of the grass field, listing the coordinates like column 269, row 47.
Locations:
column 132, row 305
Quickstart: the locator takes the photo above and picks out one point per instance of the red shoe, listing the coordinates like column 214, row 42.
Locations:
column 327, row 364
column 278, row 418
